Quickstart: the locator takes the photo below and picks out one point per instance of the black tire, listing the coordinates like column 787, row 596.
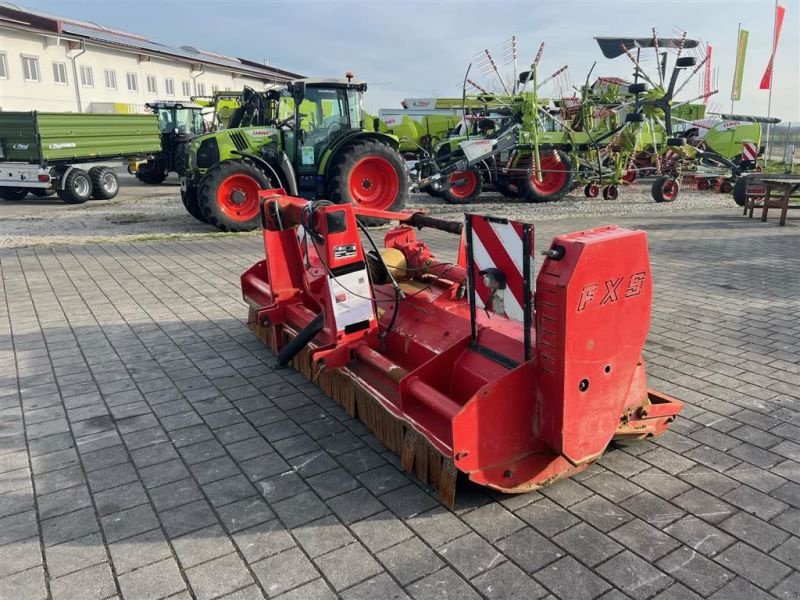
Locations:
column 469, row 188
column 685, row 61
column 13, row 194
column 42, row 193
column 236, row 206
column 634, row 118
column 151, row 174
column 555, row 164
column 676, row 142
column 189, row 199
column 77, row 187
column 509, row 190
column 344, row 169
column 740, row 191
column 105, row 184
column 430, row 190
column 181, row 161
column 665, row 189
column 637, row 88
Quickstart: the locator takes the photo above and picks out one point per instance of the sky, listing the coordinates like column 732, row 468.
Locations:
column 411, row 48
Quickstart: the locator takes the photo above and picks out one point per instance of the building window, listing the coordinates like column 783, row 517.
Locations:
column 3, row 66
column 151, row 84
column 133, row 84
column 87, row 77
column 111, row 79
column 60, row 72
column 201, row 89
column 187, row 89
column 30, row 67
column 169, row 87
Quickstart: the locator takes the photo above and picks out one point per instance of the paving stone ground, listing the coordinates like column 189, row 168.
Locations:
column 148, row 450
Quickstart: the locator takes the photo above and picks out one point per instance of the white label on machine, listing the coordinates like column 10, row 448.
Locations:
column 476, row 149
column 351, row 298
column 307, row 153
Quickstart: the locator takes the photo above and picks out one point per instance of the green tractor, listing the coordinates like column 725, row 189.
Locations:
column 179, row 123
column 319, row 145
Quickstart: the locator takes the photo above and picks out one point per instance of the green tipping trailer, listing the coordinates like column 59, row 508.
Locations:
column 40, row 151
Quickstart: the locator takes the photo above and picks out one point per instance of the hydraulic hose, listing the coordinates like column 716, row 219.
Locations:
column 290, row 350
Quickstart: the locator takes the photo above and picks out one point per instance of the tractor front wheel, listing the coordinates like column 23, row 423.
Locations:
column 189, row 199
column 555, row 180
column 151, row 174
column 227, row 195
column 370, row 175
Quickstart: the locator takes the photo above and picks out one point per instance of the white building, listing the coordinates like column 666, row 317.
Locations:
column 52, row 63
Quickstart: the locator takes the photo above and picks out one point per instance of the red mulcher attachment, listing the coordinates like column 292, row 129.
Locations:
column 455, row 366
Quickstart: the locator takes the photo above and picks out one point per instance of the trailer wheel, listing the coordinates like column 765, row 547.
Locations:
column 227, row 195
column 105, row 184
column 42, row 193
column 665, row 189
column 371, row 175
column 189, row 199
column 463, row 187
column 13, row 194
column 557, row 178
column 77, row 187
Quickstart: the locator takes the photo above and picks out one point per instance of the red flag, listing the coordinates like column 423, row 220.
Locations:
column 766, row 80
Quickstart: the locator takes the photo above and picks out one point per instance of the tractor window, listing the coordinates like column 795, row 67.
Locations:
column 323, row 118
column 166, row 120
column 186, row 121
column 354, row 106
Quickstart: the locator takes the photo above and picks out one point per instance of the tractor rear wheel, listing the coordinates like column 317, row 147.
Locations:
column 370, row 175
column 77, row 187
column 228, row 195
column 556, row 178
column 463, row 187
column 13, row 194
column 105, row 184
column 151, row 174
column 189, row 199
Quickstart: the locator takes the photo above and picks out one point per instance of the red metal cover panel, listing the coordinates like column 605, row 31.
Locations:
column 592, row 317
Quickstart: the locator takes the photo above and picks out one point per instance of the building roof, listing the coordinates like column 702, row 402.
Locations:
column 18, row 17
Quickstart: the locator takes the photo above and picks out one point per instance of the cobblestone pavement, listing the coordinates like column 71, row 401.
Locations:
column 148, row 450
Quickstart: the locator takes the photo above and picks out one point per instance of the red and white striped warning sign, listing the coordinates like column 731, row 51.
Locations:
column 749, row 151
column 498, row 265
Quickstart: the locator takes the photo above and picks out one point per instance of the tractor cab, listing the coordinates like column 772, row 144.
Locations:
column 179, row 123
column 181, row 120
column 318, row 114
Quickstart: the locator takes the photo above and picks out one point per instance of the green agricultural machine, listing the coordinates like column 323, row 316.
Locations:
column 320, row 145
column 603, row 138
column 179, row 123
column 71, row 154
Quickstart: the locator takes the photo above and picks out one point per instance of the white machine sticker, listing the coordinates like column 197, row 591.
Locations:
column 62, row 145
column 308, row 155
column 351, row 298
column 476, row 149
